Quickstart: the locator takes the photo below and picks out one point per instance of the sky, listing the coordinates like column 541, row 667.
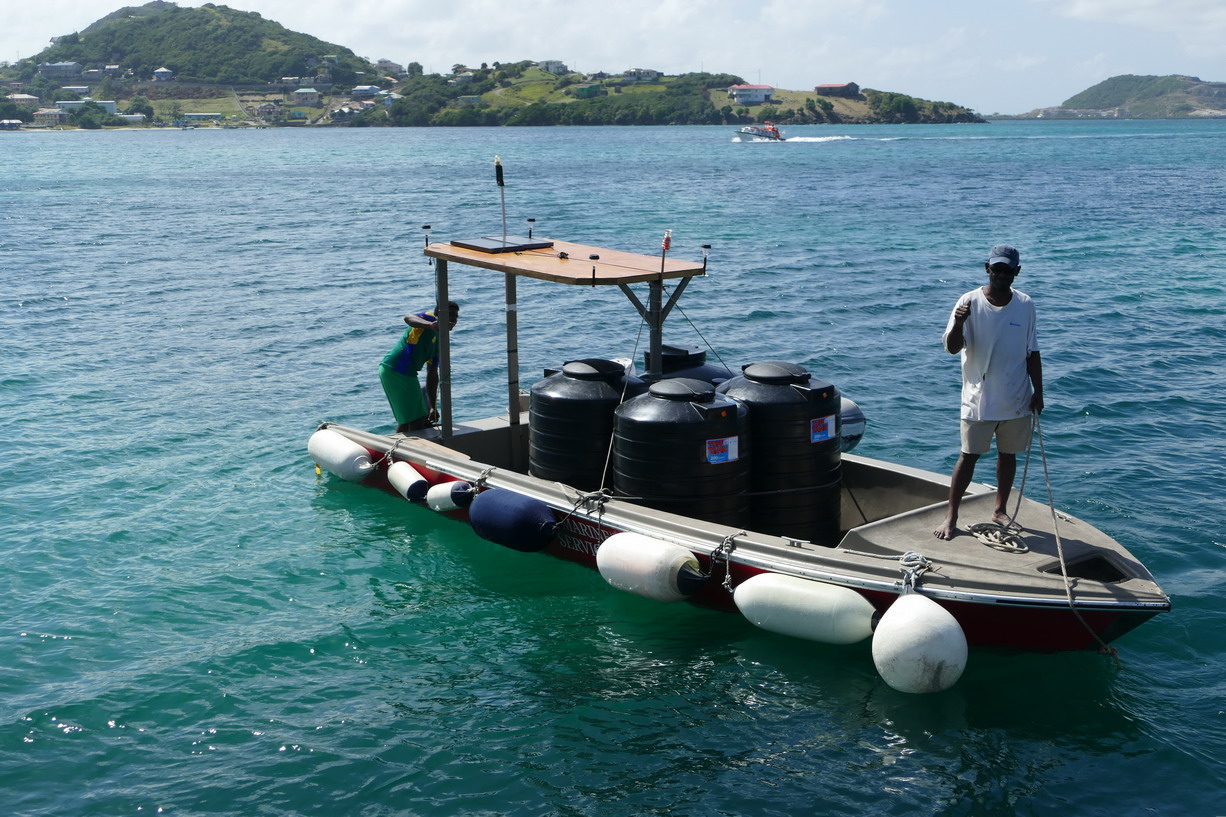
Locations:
column 993, row 56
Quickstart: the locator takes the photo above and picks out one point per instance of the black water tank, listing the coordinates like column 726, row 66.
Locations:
column 682, row 448
column 796, row 475
column 570, row 421
column 687, row 361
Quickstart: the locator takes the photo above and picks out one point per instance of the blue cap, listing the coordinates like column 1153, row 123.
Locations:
column 1004, row 254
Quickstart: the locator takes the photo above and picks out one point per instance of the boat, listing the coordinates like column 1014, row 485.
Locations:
column 767, row 131
column 866, row 567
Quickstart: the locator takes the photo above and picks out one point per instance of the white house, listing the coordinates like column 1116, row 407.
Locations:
column 60, row 70
column 389, row 67
column 50, row 117
column 306, row 96
column 641, row 74
column 107, row 105
column 556, row 67
column 365, row 90
column 750, row 94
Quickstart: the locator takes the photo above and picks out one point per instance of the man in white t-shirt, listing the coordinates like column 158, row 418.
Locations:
column 1002, row 379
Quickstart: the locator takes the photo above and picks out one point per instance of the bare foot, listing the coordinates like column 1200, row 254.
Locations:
column 1005, row 521
column 947, row 530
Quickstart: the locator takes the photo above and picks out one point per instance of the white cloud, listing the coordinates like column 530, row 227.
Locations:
column 1199, row 25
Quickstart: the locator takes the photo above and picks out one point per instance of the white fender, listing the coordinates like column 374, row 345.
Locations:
column 919, row 646
column 407, row 481
column 649, row 567
column 804, row 608
column 448, row 496
column 339, row 455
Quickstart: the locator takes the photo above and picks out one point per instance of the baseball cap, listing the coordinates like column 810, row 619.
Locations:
column 1004, row 254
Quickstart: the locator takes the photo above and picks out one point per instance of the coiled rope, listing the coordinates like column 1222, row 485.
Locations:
column 998, row 537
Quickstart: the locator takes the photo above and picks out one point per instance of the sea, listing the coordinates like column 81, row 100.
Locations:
column 194, row 622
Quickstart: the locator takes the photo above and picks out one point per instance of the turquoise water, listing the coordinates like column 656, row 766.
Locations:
column 192, row 622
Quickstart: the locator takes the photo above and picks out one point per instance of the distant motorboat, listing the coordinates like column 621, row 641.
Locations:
column 764, row 132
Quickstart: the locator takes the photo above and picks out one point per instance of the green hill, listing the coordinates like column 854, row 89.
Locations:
column 212, row 44
column 1147, row 97
column 215, row 52
column 522, row 94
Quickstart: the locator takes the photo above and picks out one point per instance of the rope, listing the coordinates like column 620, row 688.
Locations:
column 724, row 552
column 701, row 335
column 608, row 457
column 479, row 482
column 1103, row 647
column 387, row 455
column 666, row 499
column 1021, row 489
column 913, row 566
column 999, row 537
column 598, row 498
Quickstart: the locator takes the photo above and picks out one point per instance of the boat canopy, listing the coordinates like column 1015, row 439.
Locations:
column 559, row 262
column 565, row 263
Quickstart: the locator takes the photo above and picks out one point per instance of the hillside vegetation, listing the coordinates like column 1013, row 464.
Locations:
column 233, row 62
column 1146, row 97
column 522, row 94
column 208, row 44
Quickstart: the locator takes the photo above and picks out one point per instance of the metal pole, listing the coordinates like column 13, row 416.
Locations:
column 512, row 350
column 655, row 323
column 518, row 456
column 444, row 343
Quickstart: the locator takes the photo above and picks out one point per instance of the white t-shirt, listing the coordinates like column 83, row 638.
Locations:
column 995, row 384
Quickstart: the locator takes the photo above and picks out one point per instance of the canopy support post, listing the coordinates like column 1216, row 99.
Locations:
column 513, row 412
column 444, row 343
column 655, row 314
column 655, row 323
column 512, row 350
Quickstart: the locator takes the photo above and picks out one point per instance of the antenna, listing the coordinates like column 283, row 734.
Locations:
column 502, row 193
column 507, row 243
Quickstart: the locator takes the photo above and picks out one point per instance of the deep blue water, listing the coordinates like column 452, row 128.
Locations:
column 191, row 622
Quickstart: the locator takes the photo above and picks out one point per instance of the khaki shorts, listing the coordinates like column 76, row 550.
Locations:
column 1012, row 436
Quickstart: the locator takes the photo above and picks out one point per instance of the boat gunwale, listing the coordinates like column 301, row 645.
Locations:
column 835, row 565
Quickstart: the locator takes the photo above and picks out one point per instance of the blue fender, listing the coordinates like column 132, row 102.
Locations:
column 512, row 520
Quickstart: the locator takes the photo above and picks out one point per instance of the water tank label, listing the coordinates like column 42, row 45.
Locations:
column 722, row 450
column 821, row 429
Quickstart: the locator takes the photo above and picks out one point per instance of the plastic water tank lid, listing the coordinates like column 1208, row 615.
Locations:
column 593, row 369
column 776, row 372
column 684, row 388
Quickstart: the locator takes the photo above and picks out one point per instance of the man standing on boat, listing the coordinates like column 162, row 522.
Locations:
column 417, row 347
column 993, row 327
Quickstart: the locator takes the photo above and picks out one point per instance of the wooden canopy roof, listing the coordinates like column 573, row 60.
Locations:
column 567, row 263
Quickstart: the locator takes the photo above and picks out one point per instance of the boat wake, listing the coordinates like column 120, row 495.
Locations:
column 822, row 138
column 791, row 139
